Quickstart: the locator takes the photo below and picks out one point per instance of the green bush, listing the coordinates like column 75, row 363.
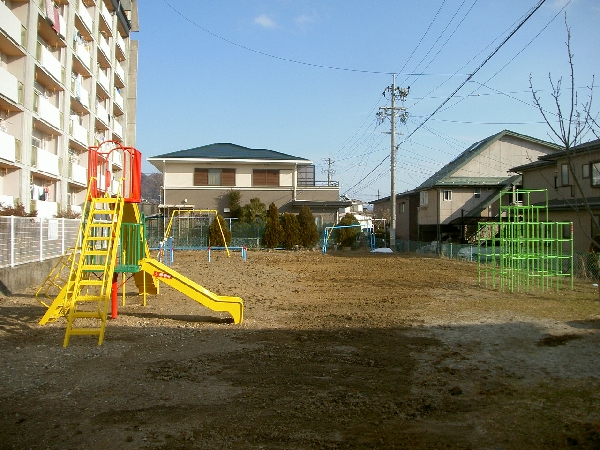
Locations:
column 347, row 236
column 233, row 202
column 273, row 231
column 255, row 210
column 291, row 231
column 215, row 236
column 309, row 235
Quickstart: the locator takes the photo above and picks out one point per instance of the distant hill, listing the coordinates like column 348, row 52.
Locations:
column 151, row 187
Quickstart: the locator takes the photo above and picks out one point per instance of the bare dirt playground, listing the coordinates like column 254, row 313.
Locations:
column 347, row 350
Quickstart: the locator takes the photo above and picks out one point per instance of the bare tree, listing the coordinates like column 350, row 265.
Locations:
column 573, row 123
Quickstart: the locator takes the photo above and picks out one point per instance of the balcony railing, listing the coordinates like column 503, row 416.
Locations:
column 8, row 147
column 45, row 161
column 49, row 62
column 103, row 79
column 86, row 18
column 104, row 47
column 10, row 24
column 106, row 15
column 47, row 111
column 121, row 43
column 78, row 173
column 102, row 114
column 83, row 54
column 79, row 133
column 117, row 128
column 9, row 85
column 81, row 93
column 118, row 99
column 120, row 72
column 7, row 200
column 45, row 209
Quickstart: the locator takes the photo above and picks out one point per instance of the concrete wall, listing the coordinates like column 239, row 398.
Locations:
column 17, row 280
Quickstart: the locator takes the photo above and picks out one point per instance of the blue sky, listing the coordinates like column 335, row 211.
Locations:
column 306, row 77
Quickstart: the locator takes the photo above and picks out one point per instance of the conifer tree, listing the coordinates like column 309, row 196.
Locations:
column 215, row 236
column 273, row 230
column 291, row 230
column 309, row 235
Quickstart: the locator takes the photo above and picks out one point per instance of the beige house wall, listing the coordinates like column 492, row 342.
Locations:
column 502, row 155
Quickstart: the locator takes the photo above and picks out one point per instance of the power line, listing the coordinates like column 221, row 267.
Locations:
column 511, row 34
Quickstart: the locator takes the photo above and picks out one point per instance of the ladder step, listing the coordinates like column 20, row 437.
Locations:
column 97, row 252
column 85, row 331
column 88, row 298
column 93, row 267
column 86, row 315
column 104, row 211
column 91, row 282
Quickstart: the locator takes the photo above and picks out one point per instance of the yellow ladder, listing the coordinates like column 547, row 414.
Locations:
column 88, row 291
column 57, row 278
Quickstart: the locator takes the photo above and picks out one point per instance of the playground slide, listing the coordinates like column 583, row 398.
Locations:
column 231, row 305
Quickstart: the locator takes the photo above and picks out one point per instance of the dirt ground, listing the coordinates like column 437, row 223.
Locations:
column 347, row 350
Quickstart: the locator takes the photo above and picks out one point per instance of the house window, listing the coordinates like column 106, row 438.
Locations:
column 214, row 177
column 564, row 174
column 401, row 208
column 265, row 177
column 596, row 174
column 447, row 196
column 585, row 171
column 424, row 198
column 477, row 193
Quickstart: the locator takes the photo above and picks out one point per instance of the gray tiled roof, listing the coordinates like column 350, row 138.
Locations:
column 442, row 176
column 228, row 151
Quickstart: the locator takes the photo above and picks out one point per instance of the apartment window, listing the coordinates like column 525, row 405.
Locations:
column 564, row 174
column 424, row 198
column 585, row 171
column 265, row 177
column 596, row 174
column 447, row 196
column 214, row 177
column 401, row 208
column 477, row 193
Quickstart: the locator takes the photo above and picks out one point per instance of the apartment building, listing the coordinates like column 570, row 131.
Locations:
column 68, row 73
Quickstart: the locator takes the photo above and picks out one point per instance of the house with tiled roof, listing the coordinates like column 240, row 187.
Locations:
column 566, row 176
column 202, row 177
column 450, row 203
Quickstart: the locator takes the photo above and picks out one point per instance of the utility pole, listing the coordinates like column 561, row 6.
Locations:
column 393, row 111
column 330, row 172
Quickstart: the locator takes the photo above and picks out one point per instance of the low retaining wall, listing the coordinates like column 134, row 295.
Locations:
column 16, row 280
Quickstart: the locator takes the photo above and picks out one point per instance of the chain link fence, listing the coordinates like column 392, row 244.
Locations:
column 31, row 239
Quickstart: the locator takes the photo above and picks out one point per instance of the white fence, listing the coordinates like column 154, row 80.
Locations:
column 31, row 239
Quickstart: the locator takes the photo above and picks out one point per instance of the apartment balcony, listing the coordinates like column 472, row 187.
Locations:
column 103, row 80
column 102, row 114
column 120, row 47
column 78, row 174
column 120, row 72
column 10, row 148
column 83, row 54
column 10, row 87
column 81, row 94
column 52, row 32
column 104, row 47
column 12, row 43
column 106, row 23
column 49, row 62
column 47, row 111
column 117, row 129
column 79, row 133
column 45, row 161
column 116, row 158
column 45, row 209
column 84, row 15
column 7, row 200
column 118, row 99
column 75, row 209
